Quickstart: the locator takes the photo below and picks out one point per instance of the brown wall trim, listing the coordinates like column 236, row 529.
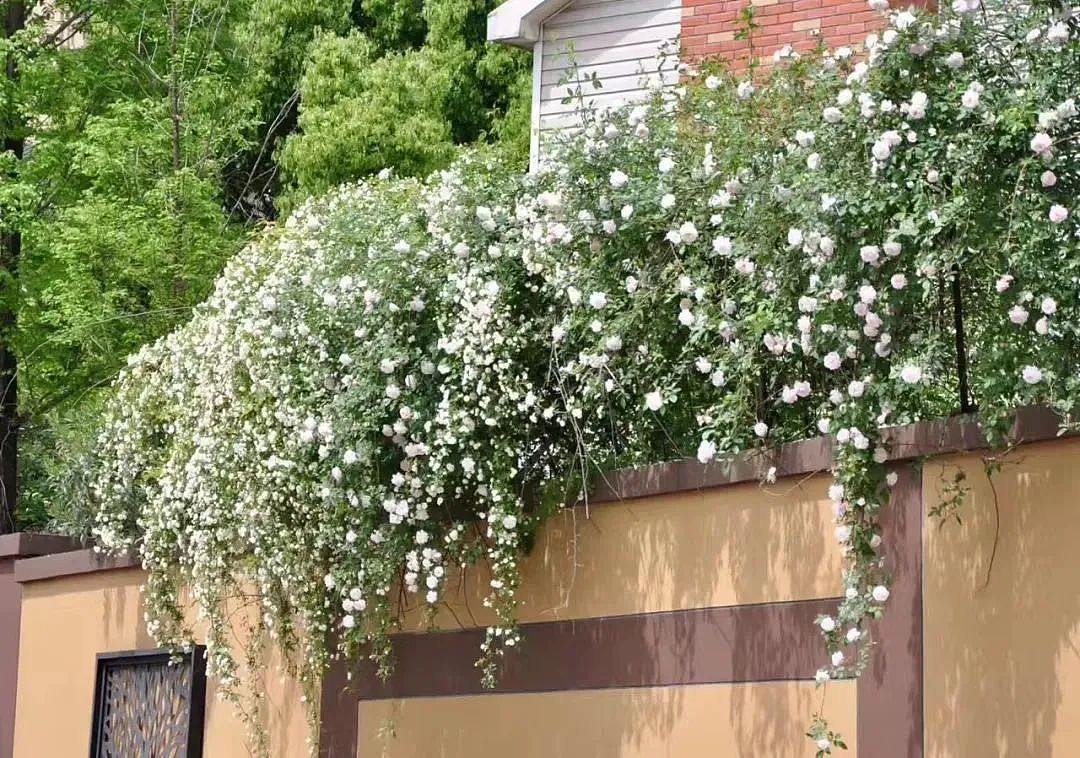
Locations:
column 338, row 714
column 742, row 643
column 70, row 564
column 26, row 544
column 923, row 438
column 890, row 692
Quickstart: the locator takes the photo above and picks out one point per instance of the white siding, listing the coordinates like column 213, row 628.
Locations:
column 617, row 40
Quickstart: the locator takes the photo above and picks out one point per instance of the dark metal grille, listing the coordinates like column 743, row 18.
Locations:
column 145, row 707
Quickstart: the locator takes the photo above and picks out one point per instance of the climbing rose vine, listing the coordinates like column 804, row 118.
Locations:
column 406, row 377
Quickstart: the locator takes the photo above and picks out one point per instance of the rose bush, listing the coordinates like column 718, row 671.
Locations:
column 408, row 376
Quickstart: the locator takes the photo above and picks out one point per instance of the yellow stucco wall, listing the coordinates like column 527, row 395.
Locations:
column 1002, row 643
column 724, row 546
column 66, row 622
column 701, row 721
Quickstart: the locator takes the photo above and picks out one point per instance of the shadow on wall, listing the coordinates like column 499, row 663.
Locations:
column 1003, row 641
column 107, row 608
column 277, row 713
column 578, row 724
column 734, row 545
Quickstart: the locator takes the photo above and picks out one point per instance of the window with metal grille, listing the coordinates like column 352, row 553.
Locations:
column 149, row 704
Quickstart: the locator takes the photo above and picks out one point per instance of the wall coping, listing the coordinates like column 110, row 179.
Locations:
column 923, row 438
column 72, row 563
column 28, row 544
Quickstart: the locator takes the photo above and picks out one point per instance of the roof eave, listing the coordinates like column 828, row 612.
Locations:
column 518, row 22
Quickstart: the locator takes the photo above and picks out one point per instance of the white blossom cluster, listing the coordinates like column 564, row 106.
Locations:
column 406, row 377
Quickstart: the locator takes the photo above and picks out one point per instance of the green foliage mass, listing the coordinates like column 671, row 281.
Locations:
column 375, row 98
column 129, row 136
column 163, row 132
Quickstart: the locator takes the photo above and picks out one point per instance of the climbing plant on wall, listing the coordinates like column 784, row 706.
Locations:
column 407, row 376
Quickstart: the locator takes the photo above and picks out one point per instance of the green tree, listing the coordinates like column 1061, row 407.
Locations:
column 163, row 137
column 376, row 99
column 130, row 135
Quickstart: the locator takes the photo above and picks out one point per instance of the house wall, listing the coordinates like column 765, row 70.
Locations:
column 676, row 617
column 618, row 40
column 734, row 721
column 709, row 27
column 658, row 626
column 12, row 548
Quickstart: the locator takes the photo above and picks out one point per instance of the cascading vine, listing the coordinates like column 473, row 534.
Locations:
column 408, row 377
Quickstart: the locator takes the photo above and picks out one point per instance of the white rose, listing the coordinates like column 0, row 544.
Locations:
column 1041, row 143
column 1032, row 374
column 911, row 374
column 722, row 246
column 870, row 254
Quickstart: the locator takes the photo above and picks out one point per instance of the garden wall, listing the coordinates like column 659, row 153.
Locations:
column 674, row 616
column 1002, row 651
column 12, row 548
column 661, row 625
column 76, row 606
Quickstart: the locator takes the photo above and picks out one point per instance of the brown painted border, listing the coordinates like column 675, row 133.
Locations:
column 732, row 644
column 890, row 692
column 699, row 646
column 70, row 564
column 923, row 438
column 28, row 544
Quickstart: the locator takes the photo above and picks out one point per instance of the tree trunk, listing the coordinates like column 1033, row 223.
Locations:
column 10, row 249
column 966, row 404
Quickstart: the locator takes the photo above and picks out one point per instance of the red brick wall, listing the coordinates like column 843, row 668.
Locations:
column 709, row 26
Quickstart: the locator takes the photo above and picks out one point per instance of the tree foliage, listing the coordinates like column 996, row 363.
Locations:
column 159, row 135
column 375, row 98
